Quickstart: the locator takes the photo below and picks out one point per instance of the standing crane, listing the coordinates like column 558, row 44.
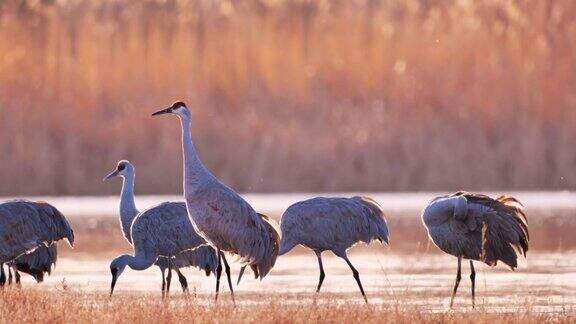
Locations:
column 194, row 252
column 478, row 228
column 36, row 264
column 219, row 214
column 334, row 224
column 27, row 225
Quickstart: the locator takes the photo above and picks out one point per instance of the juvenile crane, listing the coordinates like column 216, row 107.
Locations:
column 193, row 252
column 221, row 216
column 334, row 224
column 36, row 264
column 27, row 225
column 478, row 228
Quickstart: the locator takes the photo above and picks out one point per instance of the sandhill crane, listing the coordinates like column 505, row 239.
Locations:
column 128, row 212
column 27, row 225
column 220, row 215
column 477, row 227
column 194, row 251
column 334, row 224
column 36, row 264
column 166, row 234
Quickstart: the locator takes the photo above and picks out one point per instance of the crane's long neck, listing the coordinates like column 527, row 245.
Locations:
column 195, row 173
column 127, row 205
column 138, row 262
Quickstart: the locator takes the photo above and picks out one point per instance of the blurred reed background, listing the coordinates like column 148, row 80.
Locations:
column 370, row 95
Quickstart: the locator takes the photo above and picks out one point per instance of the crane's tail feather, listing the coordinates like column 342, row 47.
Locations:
column 60, row 227
column 264, row 266
column 505, row 233
column 376, row 219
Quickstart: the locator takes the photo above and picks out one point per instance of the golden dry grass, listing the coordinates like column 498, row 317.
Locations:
column 387, row 94
column 69, row 306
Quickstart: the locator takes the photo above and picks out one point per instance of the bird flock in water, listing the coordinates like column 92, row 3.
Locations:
column 215, row 222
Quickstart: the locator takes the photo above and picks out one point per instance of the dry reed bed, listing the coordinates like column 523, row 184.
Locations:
column 32, row 305
column 387, row 94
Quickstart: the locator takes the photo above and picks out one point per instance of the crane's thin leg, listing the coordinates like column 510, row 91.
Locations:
column 9, row 275
column 458, row 277
column 163, row 282
column 255, row 270
column 218, row 274
column 322, row 275
column 473, row 279
column 169, row 277
column 227, row 268
column 183, row 281
column 356, row 276
column 17, row 276
column 2, row 275
column 240, row 274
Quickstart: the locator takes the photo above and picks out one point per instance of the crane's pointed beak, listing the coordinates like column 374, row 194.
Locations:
column 114, row 278
column 111, row 175
column 163, row 111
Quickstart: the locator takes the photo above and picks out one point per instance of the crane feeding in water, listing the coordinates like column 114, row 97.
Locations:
column 478, row 228
column 167, row 234
column 191, row 249
column 221, row 216
column 334, row 224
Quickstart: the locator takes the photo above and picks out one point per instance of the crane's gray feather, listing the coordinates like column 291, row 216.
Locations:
column 202, row 257
column 229, row 223
column 26, row 225
column 334, row 224
column 492, row 230
column 165, row 230
column 274, row 235
column 38, row 262
column 274, row 241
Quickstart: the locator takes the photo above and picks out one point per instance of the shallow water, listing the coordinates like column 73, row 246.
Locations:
column 544, row 283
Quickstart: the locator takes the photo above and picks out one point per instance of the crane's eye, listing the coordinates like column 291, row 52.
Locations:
column 121, row 167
